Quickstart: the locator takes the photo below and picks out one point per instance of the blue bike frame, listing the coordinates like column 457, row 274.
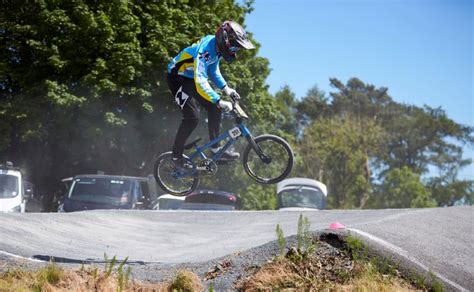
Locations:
column 233, row 135
column 244, row 131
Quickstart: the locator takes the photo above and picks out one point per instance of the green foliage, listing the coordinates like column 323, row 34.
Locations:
column 286, row 102
column 281, row 239
column 258, row 197
column 402, row 188
column 122, row 276
column 314, row 105
column 50, row 274
column 339, row 152
column 358, row 138
column 82, row 83
column 304, row 236
column 186, row 281
column 304, row 240
column 356, row 247
column 448, row 191
column 109, row 266
column 436, row 285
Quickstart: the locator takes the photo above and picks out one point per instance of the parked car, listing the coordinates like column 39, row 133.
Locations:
column 300, row 194
column 16, row 194
column 169, row 202
column 89, row 192
column 210, row 200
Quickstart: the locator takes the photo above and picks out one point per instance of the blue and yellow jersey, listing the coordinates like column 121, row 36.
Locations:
column 201, row 63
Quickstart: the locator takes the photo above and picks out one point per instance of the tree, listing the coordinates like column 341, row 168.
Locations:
column 314, row 105
column 402, row 188
column 286, row 101
column 337, row 152
column 451, row 191
column 82, row 83
column 420, row 138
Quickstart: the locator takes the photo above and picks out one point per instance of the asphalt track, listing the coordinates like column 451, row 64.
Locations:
column 440, row 239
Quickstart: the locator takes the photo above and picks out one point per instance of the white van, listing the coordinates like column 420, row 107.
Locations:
column 12, row 194
column 297, row 194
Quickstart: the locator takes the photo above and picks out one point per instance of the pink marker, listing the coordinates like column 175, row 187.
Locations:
column 336, row 225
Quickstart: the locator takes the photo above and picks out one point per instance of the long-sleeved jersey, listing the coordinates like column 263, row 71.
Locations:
column 200, row 62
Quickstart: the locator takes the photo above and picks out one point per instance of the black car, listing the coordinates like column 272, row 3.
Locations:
column 210, row 200
column 89, row 192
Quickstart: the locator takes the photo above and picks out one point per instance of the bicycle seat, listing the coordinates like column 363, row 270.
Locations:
column 192, row 144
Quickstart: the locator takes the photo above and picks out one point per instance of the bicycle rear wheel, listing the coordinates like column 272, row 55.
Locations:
column 169, row 180
column 278, row 163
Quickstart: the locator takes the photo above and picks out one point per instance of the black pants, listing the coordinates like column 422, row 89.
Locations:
column 186, row 96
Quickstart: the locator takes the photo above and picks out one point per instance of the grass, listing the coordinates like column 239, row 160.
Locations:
column 186, row 281
column 52, row 278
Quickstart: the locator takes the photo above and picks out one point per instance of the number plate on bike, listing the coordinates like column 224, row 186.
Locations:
column 235, row 132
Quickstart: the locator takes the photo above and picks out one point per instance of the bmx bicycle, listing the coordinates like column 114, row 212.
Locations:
column 267, row 159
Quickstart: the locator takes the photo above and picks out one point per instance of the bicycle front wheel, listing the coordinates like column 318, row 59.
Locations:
column 169, row 180
column 276, row 162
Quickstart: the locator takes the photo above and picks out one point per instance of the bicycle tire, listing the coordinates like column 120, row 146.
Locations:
column 261, row 141
column 165, row 185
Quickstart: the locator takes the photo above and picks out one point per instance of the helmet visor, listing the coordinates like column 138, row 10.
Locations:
column 245, row 43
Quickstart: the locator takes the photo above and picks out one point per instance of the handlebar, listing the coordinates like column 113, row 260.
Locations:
column 237, row 110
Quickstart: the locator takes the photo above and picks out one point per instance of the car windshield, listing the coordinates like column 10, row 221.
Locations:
column 303, row 198
column 8, row 186
column 101, row 190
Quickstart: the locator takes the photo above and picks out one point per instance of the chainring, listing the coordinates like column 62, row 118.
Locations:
column 207, row 167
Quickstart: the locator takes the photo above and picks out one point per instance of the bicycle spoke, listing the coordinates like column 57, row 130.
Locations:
column 164, row 174
column 279, row 165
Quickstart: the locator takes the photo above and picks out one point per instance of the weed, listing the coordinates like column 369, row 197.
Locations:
column 281, row 240
column 304, row 237
column 95, row 272
column 356, row 248
column 50, row 274
column 186, row 281
column 436, row 285
column 418, row 280
column 123, row 276
column 109, row 266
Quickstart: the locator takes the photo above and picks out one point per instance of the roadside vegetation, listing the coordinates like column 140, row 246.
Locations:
column 53, row 278
column 317, row 265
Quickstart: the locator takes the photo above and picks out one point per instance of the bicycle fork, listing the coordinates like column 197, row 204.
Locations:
column 265, row 158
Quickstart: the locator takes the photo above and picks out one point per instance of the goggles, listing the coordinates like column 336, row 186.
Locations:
column 234, row 49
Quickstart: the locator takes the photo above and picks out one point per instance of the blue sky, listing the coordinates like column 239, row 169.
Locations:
column 420, row 49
